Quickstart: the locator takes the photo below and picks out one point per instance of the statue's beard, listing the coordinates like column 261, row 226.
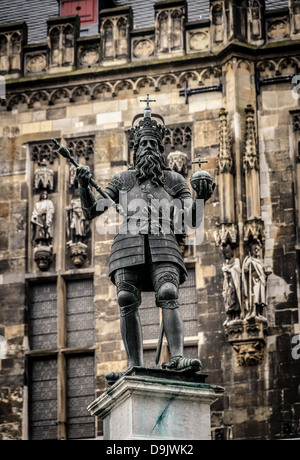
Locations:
column 150, row 166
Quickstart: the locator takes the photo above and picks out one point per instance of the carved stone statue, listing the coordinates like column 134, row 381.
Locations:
column 42, row 223
column 78, row 226
column 42, row 220
column 231, row 286
column 254, row 278
column 146, row 257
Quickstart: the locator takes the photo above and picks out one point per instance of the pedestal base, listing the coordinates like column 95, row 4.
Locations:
column 148, row 404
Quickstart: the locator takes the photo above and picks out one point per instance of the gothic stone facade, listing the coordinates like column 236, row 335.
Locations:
column 226, row 89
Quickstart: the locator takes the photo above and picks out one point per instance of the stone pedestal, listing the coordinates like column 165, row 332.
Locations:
column 148, row 404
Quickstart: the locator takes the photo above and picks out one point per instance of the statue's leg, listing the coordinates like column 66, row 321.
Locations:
column 165, row 278
column 129, row 299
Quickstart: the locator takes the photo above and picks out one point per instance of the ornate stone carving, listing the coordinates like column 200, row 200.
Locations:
column 225, row 160
column 178, row 136
column 143, row 48
column 62, row 35
column 249, row 353
column 226, row 234
column 199, row 41
column 251, row 159
column 88, row 57
column 296, row 121
column 81, row 147
column 44, row 178
column 254, row 230
column 278, row 29
column 178, row 161
column 43, row 151
column 36, row 63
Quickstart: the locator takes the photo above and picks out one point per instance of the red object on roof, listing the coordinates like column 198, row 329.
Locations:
column 86, row 9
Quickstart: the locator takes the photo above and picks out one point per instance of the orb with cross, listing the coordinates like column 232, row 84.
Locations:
column 200, row 175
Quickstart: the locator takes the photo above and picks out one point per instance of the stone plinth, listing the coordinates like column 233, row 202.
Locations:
column 148, row 404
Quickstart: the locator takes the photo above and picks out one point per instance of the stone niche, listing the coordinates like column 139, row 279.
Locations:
column 277, row 25
column 115, row 28
column 142, row 45
column 255, row 22
column 198, row 37
column 35, row 59
column 88, row 52
column 62, row 35
column 13, row 37
column 170, row 17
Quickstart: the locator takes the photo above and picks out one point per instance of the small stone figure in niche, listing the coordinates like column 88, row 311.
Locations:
column 254, row 278
column 148, row 259
column 78, row 226
column 231, row 285
column 42, row 221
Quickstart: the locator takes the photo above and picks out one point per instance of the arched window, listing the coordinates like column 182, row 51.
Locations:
column 217, row 20
column 15, row 51
column 122, row 42
column 108, row 39
column 54, row 43
column 4, row 65
column 163, row 41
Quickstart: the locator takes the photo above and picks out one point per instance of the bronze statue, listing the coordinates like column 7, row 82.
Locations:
column 145, row 255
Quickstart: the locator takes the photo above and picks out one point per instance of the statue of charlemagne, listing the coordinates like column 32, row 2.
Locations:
column 148, row 259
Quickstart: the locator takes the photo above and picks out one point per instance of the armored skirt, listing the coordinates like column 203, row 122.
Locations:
column 143, row 250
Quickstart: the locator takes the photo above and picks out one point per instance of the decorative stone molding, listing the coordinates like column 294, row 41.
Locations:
column 43, row 152
column 225, row 160
column 44, row 178
column 254, row 230
column 251, row 159
column 81, row 147
column 296, row 120
column 226, row 234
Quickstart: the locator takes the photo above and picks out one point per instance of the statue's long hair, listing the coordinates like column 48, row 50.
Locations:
column 150, row 165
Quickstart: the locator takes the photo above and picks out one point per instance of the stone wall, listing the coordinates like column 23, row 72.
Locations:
column 239, row 111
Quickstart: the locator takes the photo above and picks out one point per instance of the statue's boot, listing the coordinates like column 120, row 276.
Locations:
column 131, row 331
column 179, row 363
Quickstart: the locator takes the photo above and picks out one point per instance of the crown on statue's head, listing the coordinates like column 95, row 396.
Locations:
column 148, row 126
